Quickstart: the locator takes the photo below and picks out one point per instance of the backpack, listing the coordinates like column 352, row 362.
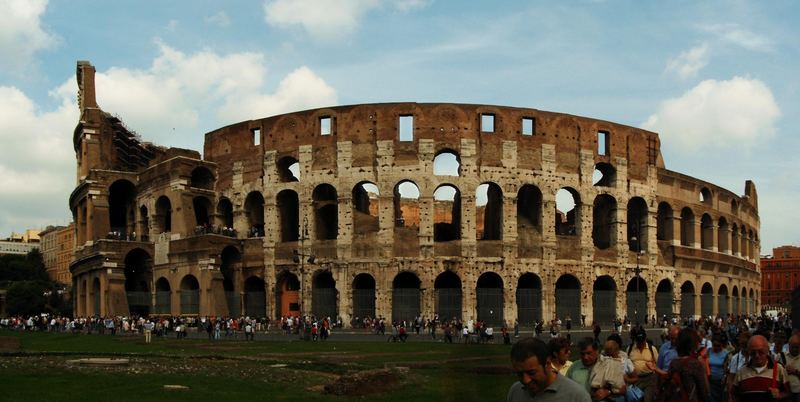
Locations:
column 671, row 388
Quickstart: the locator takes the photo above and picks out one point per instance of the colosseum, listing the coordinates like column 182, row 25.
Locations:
column 403, row 209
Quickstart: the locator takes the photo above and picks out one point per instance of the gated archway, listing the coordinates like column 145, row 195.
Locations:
column 736, row 309
column 324, row 296
column 255, row 297
column 722, row 301
column 448, row 296
column 163, row 296
column 138, row 274
column 405, row 297
column 363, row 296
column 230, row 263
column 706, row 300
column 604, row 299
column 568, row 297
column 490, row 298
column 529, row 299
column 287, row 295
column 96, row 296
column 663, row 300
column 190, row 295
column 687, row 300
column 636, row 295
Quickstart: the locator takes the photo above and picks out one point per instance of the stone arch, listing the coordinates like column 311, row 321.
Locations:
column 637, row 224
column 447, row 162
column 636, row 295
column 366, row 208
column 687, row 299
column 489, row 295
column 743, row 239
column 568, row 297
column 163, row 296
column 605, row 175
column 447, row 213
column 735, row 239
column 225, row 214
column 529, row 299
column 489, row 212
column 190, row 295
column 723, row 302
column 706, row 300
column 202, row 211
column 723, row 233
column 287, row 295
column 96, row 296
column 144, row 224
column 363, row 296
column 705, row 196
column 735, row 307
column 604, row 219
column 288, row 206
column 664, row 220
column 707, row 232
column 752, row 301
column 324, row 295
column 405, row 297
column 604, row 294
column 202, row 178
column 138, row 274
column 745, row 301
column 254, row 211
column 255, row 297
column 288, row 169
column 406, row 218
column 529, row 219
column 448, row 295
column 230, row 263
column 326, row 212
column 687, row 227
column 568, row 216
column 664, row 299
column 122, row 207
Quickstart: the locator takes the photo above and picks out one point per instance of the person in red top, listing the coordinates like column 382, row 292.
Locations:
column 762, row 379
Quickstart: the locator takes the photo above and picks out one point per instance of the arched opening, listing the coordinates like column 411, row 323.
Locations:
column 752, row 302
column 743, row 240
column 750, row 243
column 326, row 212
column 604, row 175
column 736, row 307
column 489, row 212
column 225, row 214
column 144, row 224
column 255, row 297
column 446, row 213
column 288, row 206
column 163, row 297
column 366, row 208
column 568, row 297
column 567, row 212
column 636, row 295
column 288, row 169
column 687, row 227
column 664, row 299
column 96, row 295
column 687, row 299
column 707, row 232
column 406, row 219
column 324, row 296
column 163, row 214
column 664, row 228
column 705, row 196
column 489, row 294
column 405, row 297
column 138, row 274
column 637, row 224
column 722, row 301
column 231, row 262
column 287, row 295
column 121, row 208
column 706, row 300
column 604, row 299
column 202, row 178
column 446, row 163
column 190, row 295
column 604, row 214
column 363, row 296
column 723, row 233
column 529, row 220
column 448, row 296
column 202, row 213
column 734, row 239
column 529, row 299
column 254, row 211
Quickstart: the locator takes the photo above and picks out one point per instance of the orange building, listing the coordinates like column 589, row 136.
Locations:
column 780, row 275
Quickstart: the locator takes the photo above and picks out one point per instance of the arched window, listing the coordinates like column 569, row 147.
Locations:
column 366, row 208
column 604, row 221
column 568, row 203
column 326, row 212
column 202, row 178
column 447, row 213
column 664, row 228
column 687, row 227
column 605, row 175
column 446, row 163
column 637, row 224
column 489, row 212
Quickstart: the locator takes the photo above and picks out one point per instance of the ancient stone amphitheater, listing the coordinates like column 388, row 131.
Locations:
column 404, row 209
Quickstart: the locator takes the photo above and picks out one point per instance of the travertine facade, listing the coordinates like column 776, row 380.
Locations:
column 395, row 228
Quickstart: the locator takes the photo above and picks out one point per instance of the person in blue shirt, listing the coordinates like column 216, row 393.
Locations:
column 666, row 353
column 716, row 361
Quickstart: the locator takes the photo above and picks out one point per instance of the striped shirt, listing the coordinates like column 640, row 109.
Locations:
column 754, row 387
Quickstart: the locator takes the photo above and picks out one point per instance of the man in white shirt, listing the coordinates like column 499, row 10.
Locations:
column 793, row 367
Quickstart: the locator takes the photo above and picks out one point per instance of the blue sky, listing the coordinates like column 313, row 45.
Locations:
column 717, row 80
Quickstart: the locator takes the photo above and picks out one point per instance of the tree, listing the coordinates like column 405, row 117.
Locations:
column 26, row 298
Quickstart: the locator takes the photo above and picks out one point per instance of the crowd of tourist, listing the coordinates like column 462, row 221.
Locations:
column 746, row 358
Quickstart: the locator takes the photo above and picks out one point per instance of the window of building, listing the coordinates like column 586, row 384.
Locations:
column 325, row 125
column 406, row 128
column 602, row 143
column 256, row 136
column 487, row 123
column 528, row 126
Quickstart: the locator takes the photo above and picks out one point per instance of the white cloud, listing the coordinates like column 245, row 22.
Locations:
column 220, row 19
column 181, row 93
column 21, row 33
column 735, row 34
column 689, row 62
column 322, row 19
column 410, row 5
column 737, row 113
